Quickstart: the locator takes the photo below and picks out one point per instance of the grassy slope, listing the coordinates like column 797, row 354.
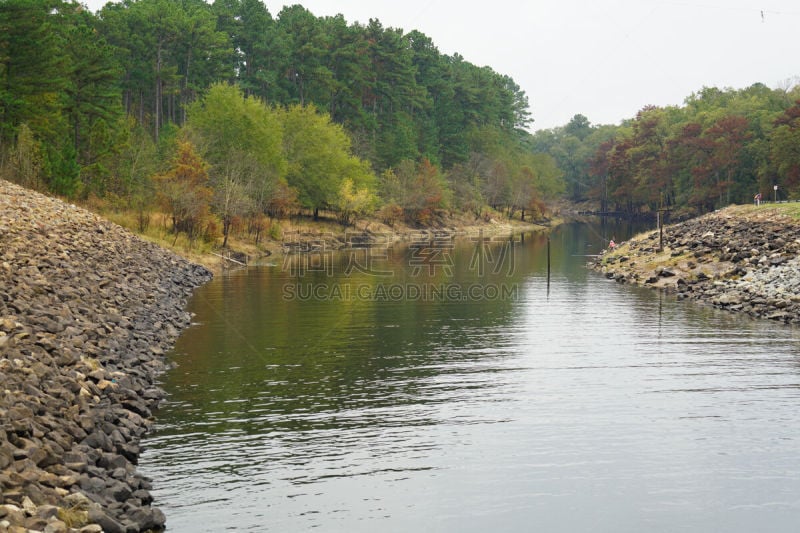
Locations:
column 644, row 264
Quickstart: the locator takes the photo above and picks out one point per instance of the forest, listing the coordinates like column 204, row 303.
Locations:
column 721, row 146
column 220, row 115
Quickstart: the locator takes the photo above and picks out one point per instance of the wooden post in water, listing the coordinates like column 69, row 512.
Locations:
column 548, row 265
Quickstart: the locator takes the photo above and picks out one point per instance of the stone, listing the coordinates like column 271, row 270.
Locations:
column 56, row 526
column 47, row 511
column 28, row 506
column 93, row 485
column 35, row 524
column 77, row 501
column 148, row 518
column 119, row 491
column 144, row 496
column 109, row 524
column 13, row 514
column 729, row 299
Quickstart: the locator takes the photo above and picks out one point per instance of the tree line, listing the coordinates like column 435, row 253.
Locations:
column 721, row 146
column 221, row 113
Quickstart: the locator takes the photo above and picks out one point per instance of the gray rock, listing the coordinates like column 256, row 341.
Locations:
column 56, row 526
column 148, row 518
column 109, row 524
column 79, row 321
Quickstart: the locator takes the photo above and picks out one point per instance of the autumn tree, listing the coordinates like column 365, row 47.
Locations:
column 184, row 192
column 420, row 190
column 353, row 202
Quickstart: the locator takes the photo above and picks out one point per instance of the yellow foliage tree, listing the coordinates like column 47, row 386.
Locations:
column 353, row 202
column 184, row 191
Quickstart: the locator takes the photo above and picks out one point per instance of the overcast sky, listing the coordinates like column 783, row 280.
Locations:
column 605, row 59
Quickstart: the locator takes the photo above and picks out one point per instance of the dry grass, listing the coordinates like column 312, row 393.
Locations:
column 158, row 231
column 202, row 252
column 73, row 518
column 766, row 211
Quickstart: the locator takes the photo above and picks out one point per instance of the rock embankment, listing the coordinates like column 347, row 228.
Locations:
column 87, row 311
column 742, row 259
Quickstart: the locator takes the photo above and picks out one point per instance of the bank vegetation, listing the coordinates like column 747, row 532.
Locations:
column 221, row 120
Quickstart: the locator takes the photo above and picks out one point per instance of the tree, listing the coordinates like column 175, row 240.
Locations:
column 137, row 161
column 200, row 51
column 466, row 181
column 687, row 160
column 171, row 51
column 33, row 68
column 418, row 189
column 578, row 127
column 728, row 136
column 93, row 90
column 242, row 140
column 352, row 202
column 63, row 169
column 785, row 148
column 26, row 161
column 319, row 157
column 308, row 78
column 260, row 52
column 184, row 191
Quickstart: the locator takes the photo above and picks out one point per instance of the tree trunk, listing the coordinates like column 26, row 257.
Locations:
column 141, row 107
column 157, row 111
column 226, row 226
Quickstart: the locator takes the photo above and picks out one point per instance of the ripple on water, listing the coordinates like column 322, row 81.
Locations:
column 596, row 407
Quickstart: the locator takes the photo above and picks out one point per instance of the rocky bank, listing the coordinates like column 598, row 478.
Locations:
column 742, row 258
column 87, row 311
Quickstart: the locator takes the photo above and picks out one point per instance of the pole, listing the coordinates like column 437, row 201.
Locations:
column 548, row 265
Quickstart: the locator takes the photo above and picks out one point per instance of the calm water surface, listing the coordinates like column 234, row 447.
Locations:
column 582, row 405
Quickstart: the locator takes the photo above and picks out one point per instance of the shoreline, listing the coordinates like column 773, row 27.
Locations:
column 300, row 232
column 87, row 312
column 299, row 241
column 742, row 259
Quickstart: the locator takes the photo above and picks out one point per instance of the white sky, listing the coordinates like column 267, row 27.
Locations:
column 605, row 59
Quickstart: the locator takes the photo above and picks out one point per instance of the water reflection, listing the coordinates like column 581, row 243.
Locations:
column 599, row 408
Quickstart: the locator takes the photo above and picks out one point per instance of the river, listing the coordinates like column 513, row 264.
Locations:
column 440, row 386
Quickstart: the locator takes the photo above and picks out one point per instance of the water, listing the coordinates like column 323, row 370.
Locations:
column 582, row 405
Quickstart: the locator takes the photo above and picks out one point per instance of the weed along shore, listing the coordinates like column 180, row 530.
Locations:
column 741, row 258
column 87, row 312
